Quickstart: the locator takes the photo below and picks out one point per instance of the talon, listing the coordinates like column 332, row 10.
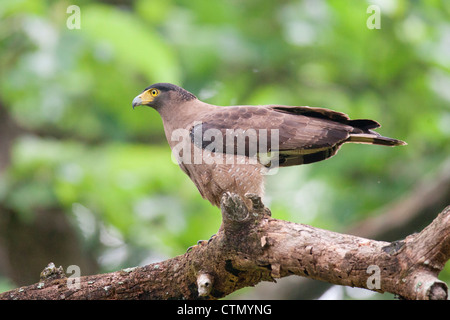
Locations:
column 201, row 243
column 212, row 237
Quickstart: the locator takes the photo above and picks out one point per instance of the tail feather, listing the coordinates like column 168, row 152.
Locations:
column 373, row 138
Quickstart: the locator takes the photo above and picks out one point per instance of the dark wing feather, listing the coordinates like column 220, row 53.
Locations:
column 328, row 114
column 304, row 134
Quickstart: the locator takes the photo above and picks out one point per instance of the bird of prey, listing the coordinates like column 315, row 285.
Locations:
column 231, row 149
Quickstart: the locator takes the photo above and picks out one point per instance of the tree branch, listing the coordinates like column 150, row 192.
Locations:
column 251, row 247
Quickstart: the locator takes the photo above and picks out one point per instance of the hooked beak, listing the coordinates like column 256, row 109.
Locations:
column 144, row 99
column 137, row 101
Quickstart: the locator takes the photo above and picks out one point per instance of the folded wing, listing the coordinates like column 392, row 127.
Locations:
column 295, row 135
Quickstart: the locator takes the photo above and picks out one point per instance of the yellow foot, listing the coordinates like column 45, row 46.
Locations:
column 201, row 243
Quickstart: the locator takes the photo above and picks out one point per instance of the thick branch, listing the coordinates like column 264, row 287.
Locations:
column 251, row 247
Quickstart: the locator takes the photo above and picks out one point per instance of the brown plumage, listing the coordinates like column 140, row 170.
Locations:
column 231, row 148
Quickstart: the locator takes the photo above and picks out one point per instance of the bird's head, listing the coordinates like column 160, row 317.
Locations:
column 160, row 94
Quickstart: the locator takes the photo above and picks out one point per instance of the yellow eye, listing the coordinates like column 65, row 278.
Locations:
column 154, row 92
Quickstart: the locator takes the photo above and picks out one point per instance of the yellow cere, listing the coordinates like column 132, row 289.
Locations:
column 148, row 96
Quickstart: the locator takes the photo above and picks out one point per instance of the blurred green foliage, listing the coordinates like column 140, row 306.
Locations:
column 84, row 148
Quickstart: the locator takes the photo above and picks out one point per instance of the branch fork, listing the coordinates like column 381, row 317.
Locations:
column 251, row 247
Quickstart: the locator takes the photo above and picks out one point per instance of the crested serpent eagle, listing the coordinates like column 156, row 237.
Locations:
column 231, row 149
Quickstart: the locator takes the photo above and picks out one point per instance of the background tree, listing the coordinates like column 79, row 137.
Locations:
column 77, row 163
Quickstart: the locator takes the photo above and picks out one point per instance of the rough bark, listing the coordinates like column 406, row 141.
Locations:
column 251, row 247
column 395, row 220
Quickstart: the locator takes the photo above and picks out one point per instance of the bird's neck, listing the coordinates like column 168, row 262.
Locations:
column 182, row 116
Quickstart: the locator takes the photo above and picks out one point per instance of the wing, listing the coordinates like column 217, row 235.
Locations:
column 296, row 135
